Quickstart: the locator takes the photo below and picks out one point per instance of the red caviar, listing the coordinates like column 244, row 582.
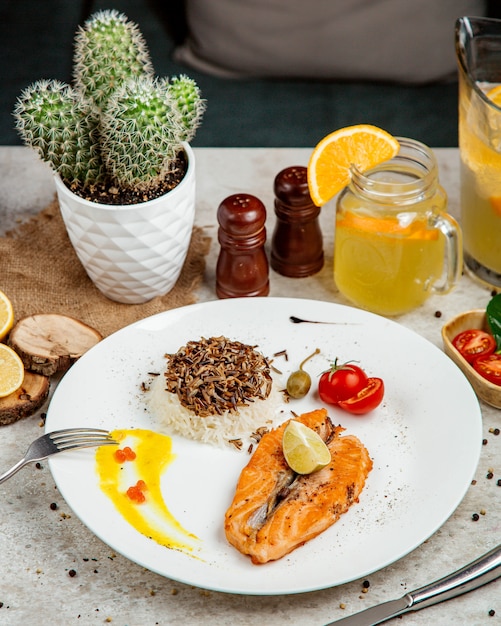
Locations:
column 135, row 493
column 124, row 454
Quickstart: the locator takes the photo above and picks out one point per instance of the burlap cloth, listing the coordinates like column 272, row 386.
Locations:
column 40, row 273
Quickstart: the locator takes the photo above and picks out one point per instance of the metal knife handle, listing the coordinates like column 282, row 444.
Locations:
column 475, row 574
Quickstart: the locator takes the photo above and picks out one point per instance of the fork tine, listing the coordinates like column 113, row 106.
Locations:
column 72, row 438
column 76, row 436
column 77, row 431
column 60, row 441
column 74, row 445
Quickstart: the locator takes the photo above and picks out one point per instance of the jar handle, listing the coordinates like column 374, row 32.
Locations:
column 451, row 231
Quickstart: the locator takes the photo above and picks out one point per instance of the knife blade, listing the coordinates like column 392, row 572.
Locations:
column 477, row 573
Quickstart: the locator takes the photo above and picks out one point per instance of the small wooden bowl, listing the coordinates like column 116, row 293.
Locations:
column 485, row 390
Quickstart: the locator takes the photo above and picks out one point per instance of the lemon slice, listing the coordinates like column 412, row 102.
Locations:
column 304, row 450
column 11, row 371
column 6, row 315
column 363, row 145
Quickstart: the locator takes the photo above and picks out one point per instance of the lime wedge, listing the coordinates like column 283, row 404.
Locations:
column 304, row 450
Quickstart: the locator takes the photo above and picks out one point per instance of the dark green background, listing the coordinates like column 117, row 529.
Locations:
column 36, row 41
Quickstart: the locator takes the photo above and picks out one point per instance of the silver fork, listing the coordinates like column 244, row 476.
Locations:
column 60, row 441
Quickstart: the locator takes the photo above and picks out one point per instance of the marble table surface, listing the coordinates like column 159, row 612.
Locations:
column 39, row 546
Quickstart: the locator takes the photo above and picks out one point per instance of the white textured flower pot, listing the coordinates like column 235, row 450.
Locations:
column 132, row 253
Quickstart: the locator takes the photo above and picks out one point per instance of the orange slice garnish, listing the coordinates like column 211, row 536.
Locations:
column 496, row 204
column 386, row 226
column 494, row 94
column 363, row 145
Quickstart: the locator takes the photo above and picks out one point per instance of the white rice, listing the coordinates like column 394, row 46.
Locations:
column 218, row 430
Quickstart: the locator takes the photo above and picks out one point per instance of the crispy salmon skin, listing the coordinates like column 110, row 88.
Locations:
column 275, row 510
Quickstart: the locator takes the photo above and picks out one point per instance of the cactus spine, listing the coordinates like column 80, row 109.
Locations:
column 51, row 118
column 142, row 133
column 143, row 126
column 109, row 50
column 189, row 102
column 117, row 123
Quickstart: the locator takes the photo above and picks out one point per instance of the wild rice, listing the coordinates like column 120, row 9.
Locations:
column 216, row 391
column 215, row 375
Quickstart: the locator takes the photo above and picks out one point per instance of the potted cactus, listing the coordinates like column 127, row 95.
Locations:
column 118, row 141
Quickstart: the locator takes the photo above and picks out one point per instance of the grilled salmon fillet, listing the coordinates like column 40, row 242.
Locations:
column 275, row 510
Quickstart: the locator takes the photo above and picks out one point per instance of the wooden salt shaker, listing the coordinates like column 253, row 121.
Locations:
column 242, row 265
column 297, row 244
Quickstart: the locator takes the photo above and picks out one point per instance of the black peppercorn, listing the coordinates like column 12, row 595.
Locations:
column 475, row 517
column 53, row 506
column 489, row 475
column 492, row 612
column 72, row 573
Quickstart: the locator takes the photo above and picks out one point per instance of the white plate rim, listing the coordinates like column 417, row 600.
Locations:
column 282, row 577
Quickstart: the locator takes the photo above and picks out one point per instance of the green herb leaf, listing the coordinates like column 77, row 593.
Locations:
column 493, row 312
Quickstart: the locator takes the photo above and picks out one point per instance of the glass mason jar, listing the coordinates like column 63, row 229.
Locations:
column 395, row 244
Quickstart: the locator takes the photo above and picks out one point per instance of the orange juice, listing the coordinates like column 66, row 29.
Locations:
column 478, row 52
column 382, row 267
column 481, row 189
column 394, row 244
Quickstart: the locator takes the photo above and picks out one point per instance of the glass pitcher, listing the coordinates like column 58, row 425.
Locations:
column 395, row 245
column 478, row 50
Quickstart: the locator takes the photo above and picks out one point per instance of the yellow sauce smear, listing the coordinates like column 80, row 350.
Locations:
column 152, row 518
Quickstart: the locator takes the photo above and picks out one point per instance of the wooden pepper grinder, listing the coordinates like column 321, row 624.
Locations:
column 242, row 265
column 297, row 245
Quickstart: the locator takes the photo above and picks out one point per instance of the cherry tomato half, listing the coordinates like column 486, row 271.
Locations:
column 489, row 367
column 341, row 382
column 366, row 399
column 474, row 343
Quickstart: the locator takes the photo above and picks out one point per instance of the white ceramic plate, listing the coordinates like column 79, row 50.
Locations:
column 425, row 441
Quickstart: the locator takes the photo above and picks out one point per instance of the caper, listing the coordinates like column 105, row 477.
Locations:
column 299, row 382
